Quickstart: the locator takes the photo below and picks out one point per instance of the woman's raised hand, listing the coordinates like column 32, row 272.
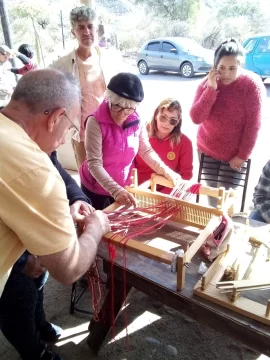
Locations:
column 236, row 163
column 125, row 198
column 212, row 79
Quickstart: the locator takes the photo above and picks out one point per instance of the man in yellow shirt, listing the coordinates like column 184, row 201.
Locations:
column 34, row 210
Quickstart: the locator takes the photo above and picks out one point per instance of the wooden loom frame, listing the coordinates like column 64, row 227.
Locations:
column 207, row 289
column 190, row 214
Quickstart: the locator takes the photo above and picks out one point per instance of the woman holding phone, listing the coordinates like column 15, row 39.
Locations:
column 227, row 108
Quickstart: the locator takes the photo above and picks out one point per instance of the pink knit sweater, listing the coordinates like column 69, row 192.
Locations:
column 229, row 118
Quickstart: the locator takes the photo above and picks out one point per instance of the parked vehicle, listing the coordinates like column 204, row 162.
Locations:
column 177, row 54
column 258, row 54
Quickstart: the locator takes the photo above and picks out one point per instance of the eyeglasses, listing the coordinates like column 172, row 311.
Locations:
column 46, row 112
column 72, row 123
column 118, row 108
column 172, row 121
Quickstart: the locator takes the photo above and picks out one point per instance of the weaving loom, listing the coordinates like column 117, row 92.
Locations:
column 247, row 261
column 161, row 247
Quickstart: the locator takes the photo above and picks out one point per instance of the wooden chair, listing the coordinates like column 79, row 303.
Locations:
column 207, row 165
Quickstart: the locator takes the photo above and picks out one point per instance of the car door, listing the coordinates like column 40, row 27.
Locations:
column 152, row 54
column 169, row 58
column 250, row 46
column 261, row 56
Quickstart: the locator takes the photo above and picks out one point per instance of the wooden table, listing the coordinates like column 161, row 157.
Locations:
column 156, row 280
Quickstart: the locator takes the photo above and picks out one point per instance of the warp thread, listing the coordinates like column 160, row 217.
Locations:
column 131, row 223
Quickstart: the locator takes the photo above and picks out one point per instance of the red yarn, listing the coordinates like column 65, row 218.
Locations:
column 94, row 284
column 131, row 223
column 194, row 189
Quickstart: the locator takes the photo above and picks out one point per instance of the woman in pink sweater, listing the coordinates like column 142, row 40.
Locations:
column 227, row 108
column 172, row 146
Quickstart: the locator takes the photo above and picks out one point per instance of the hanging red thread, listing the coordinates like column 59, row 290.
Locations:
column 131, row 223
column 94, row 284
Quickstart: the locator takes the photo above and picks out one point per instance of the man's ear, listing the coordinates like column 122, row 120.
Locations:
column 53, row 117
column 73, row 33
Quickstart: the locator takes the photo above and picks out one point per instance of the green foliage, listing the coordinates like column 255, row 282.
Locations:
column 209, row 21
column 133, row 22
column 37, row 23
column 181, row 10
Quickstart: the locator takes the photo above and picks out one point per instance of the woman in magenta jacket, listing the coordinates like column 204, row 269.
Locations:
column 227, row 108
column 114, row 135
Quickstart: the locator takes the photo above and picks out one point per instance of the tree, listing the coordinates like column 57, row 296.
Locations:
column 38, row 23
column 182, row 10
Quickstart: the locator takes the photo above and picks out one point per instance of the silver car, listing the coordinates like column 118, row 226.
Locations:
column 174, row 54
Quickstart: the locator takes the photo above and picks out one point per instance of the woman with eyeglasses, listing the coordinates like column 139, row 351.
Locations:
column 165, row 136
column 113, row 137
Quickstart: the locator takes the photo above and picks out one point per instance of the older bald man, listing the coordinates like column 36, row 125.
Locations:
column 34, row 210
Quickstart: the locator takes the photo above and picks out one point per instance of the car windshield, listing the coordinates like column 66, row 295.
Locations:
column 190, row 46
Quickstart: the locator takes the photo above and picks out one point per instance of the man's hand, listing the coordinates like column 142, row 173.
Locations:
column 33, row 267
column 126, row 198
column 99, row 221
column 236, row 163
column 80, row 209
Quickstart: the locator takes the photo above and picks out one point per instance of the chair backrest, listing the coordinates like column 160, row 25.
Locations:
column 214, row 171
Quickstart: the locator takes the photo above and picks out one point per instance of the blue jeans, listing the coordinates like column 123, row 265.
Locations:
column 255, row 215
column 22, row 314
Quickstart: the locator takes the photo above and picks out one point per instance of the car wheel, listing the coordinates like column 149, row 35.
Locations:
column 143, row 67
column 186, row 70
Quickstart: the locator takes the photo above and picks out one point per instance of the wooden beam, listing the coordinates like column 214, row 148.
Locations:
column 140, row 248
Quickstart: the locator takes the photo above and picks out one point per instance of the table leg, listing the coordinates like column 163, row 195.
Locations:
column 100, row 329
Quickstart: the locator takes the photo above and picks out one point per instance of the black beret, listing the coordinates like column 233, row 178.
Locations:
column 127, row 85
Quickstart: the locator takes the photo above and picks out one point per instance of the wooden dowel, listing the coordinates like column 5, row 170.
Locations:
column 267, row 313
column 203, row 283
column 181, row 271
column 234, row 294
column 236, row 277
column 239, row 284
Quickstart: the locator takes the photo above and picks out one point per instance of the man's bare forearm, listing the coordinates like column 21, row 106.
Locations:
column 69, row 265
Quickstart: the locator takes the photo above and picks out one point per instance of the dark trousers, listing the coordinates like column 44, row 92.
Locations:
column 22, row 314
column 99, row 202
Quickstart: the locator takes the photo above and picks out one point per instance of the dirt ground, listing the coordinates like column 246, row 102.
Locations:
column 155, row 332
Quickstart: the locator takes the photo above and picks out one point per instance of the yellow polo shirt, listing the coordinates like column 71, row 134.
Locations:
column 34, row 210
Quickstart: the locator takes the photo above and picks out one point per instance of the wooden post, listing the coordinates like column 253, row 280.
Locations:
column 5, row 24
column 267, row 313
column 181, row 271
column 6, row 29
column 153, row 183
column 134, row 178
column 234, row 294
column 221, row 197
